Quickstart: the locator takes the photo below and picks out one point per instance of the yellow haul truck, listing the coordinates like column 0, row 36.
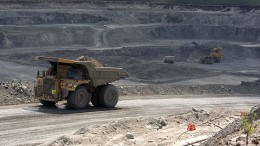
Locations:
column 79, row 82
column 214, row 57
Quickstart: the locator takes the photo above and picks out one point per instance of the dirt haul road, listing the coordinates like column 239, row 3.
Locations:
column 34, row 124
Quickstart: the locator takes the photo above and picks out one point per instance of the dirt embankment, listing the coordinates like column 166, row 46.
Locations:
column 171, row 130
column 166, row 89
column 239, row 138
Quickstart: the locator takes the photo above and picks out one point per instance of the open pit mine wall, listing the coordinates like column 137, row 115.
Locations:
column 175, row 2
column 31, row 28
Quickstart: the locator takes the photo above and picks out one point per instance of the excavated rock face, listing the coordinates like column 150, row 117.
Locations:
column 116, row 27
column 135, row 37
column 51, row 17
column 34, row 36
column 253, row 83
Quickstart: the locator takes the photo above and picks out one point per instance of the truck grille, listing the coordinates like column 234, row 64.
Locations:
column 48, row 86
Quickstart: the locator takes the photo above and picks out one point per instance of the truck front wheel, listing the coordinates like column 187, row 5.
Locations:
column 79, row 99
column 108, row 96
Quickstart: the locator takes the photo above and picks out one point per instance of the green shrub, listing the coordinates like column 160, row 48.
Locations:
column 249, row 125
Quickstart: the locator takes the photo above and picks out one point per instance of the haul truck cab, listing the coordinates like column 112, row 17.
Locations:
column 79, row 82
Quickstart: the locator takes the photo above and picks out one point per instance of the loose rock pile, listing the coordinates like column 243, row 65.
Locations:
column 253, row 83
column 17, row 87
column 15, row 92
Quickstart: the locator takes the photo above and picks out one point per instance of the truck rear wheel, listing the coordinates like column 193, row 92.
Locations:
column 47, row 103
column 108, row 96
column 79, row 99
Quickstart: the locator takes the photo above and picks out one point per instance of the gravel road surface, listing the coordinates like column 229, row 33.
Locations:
column 34, row 124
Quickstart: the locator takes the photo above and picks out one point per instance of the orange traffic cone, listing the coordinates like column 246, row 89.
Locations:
column 191, row 127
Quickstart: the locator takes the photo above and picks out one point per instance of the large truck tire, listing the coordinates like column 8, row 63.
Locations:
column 47, row 103
column 79, row 99
column 108, row 96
